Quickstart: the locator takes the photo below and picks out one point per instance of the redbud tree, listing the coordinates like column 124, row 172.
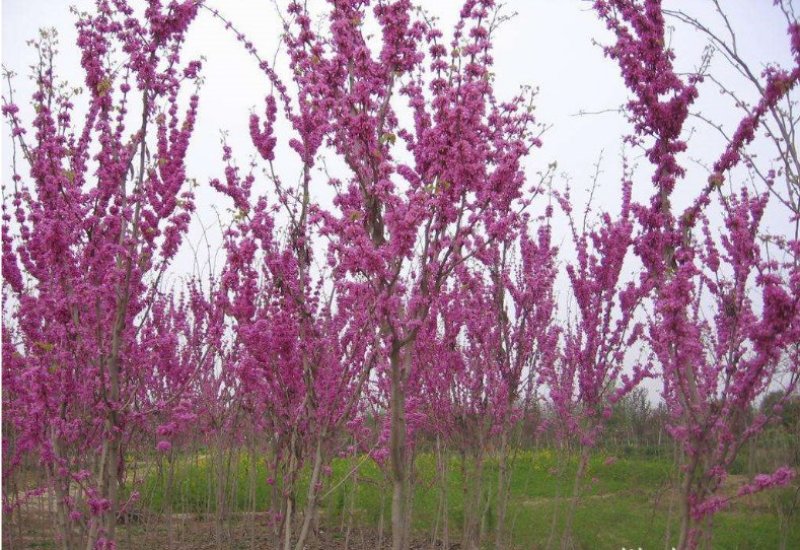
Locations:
column 92, row 218
column 595, row 365
column 714, row 367
column 402, row 285
column 498, row 333
column 416, row 198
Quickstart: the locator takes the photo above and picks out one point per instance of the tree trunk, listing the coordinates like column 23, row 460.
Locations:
column 62, row 514
column 398, row 451
column 104, row 527
column 441, row 466
column 473, row 509
column 567, row 540
column 220, row 509
column 169, row 499
column 502, row 490
column 563, row 453
column 311, row 500
column 409, row 508
column 289, row 491
column 351, row 510
column 252, row 488
column 672, row 486
column 687, row 530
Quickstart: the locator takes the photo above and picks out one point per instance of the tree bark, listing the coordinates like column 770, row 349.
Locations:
column 687, row 525
column 311, row 500
column 398, row 451
column 61, row 492
column 289, row 496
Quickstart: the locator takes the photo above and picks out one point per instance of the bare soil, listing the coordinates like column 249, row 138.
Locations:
column 198, row 533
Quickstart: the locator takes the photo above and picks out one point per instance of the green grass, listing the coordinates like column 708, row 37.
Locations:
column 194, row 484
column 617, row 508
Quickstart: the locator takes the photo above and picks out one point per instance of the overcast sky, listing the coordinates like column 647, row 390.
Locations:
column 549, row 45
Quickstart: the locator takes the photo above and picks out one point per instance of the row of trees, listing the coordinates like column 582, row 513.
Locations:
column 421, row 297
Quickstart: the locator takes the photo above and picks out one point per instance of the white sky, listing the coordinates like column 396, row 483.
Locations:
column 548, row 45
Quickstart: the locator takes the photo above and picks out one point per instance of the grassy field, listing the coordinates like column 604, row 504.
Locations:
column 625, row 501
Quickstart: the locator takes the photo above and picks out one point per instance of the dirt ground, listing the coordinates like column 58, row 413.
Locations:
column 197, row 533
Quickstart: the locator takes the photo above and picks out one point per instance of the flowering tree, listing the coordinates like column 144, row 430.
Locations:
column 497, row 319
column 587, row 378
column 400, row 226
column 398, row 286
column 300, row 366
column 89, row 227
column 189, row 396
column 713, row 368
